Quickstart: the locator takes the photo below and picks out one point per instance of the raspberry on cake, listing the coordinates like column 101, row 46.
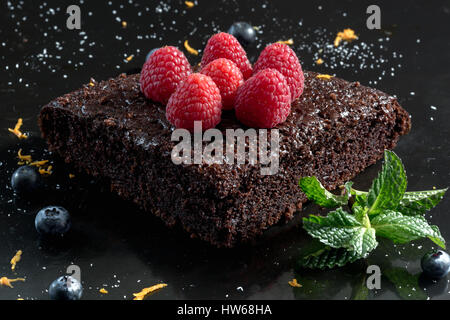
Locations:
column 227, row 77
column 264, row 100
column 162, row 72
column 196, row 99
column 224, row 45
column 281, row 57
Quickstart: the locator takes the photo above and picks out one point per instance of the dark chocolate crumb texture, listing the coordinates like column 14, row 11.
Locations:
column 109, row 129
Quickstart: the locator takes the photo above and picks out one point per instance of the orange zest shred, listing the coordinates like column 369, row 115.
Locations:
column 319, row 61
column 289, row 42
column 324, row 76
column 190, row 49
column 141, row 295
column 103, row 290
column 16, row 259
column 46, row 172
column 294, row 283
column 4, row 281
column 346, row 35
column 27, row 160
column 39, row 164
column 24, row 159
column 17, row 131
column 189, row 4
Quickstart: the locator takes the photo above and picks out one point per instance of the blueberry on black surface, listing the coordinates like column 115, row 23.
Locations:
column 65, row 288
column 244, row 32
column 26, row 180
column 436, row 264
column 52, row 221
column 150, row 53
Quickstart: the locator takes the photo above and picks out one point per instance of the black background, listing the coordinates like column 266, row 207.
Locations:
column 122, row 249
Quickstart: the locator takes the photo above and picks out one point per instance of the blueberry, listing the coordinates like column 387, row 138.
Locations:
column 52, row 221
column 65, row 288
column 150, row 53
column 436, row 264
column 244, row 32
column 26, row 180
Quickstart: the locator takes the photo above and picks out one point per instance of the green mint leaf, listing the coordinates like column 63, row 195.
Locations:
column 342, row 230
column 315, row 191
column 419, row 202
column 437, row 237
column 348, row 187
column 360, row 290
column 406, row 284
column 402, row 229
column 324, row 257
column 360, row 198
column 389, row 187
column 359, row 212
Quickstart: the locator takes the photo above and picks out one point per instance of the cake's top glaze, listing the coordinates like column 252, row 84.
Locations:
column 325, row 105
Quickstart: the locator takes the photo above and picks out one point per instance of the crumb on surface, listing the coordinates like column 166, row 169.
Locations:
column 144, row 292
column 17, row 131
column 124, row 24
column 294, row 283
column 319, row 61
column 71, row 176
column 103, row 290
column 129, row 58
column 189, row 4
column 190, row 49
column 16, row 259
column 346, row 35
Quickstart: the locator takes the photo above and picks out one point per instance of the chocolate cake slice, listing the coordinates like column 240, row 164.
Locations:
column 109, row 129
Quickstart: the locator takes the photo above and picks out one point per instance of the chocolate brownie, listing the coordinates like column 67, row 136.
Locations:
column 109, row 129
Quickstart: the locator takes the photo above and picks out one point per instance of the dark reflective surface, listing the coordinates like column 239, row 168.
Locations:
column 122, row 249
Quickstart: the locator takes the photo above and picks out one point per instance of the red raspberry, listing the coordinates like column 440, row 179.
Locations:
column 281, row 57
column 162, row 73
column 264, row 100
column 227, row 77
column 224, row 45
column 195, row 99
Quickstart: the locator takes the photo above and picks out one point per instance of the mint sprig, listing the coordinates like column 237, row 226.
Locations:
column 386, row 210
